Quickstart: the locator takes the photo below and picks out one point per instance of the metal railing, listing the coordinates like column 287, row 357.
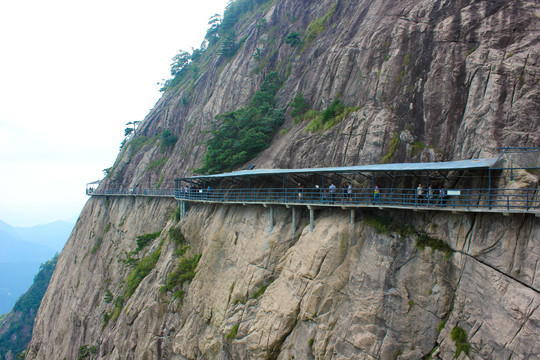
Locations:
column 498, row 200
column 504, row 199
column 131, row 192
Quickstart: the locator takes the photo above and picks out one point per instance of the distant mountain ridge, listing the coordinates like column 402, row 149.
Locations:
column 22, row 250
column 52, row 235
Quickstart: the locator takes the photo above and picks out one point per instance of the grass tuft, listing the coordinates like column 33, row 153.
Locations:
column 459, row 336
column 232, row 334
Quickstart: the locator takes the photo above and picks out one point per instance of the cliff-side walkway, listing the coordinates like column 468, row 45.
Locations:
column 316, row 188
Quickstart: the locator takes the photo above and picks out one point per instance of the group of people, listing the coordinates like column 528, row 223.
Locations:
column 430, row 196
column 191, row 191
column 331, row 193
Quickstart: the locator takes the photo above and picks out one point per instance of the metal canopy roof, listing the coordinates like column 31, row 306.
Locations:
column 476, row 164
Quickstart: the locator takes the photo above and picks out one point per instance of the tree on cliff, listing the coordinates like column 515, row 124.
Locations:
column 240, row 135
column 16, row 326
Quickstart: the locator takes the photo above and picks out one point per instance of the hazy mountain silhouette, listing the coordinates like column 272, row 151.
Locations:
column 22, row 250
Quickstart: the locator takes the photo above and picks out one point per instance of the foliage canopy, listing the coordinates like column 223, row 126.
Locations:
column 17, row 330
column 240, row 135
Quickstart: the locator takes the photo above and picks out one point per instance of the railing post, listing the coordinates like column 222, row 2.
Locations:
column 293, row 220
column 311, row 219
column 271, row 218
column 527, row 203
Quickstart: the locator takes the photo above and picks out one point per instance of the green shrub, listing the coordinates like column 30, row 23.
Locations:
column 294, row 39
column 259, row 292
column 424, row 240
column 459, row 336
column 392, row 150
column 315, row 124
column 184, row 272
column 137, row 275
column 329, row 117
column 234, row 331
column 299, row 105
column 129, row 260
column 338, row 118
column 167, row 140
column 179, row 294
column 181, row 251
column 441, row 325
column 229, row 46
column 160, row 181
column 234, row 11
column 87, row 352
column 138, row 142
column 176, row 214
column 145, row 240
column 108, row 296
column 285, row 131
column 177, row 236
column 386, row 225
column 240, row 135
column 157, row 164
column 417, row 147
column 316, row 27
column 97, row 245
column 106, row 319
column 334, row 109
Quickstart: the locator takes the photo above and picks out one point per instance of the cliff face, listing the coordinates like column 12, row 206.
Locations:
column 452, row 79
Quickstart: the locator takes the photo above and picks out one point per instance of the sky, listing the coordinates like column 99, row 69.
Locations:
column 72, row 74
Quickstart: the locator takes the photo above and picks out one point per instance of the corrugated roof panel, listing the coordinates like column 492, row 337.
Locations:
column 427, row 166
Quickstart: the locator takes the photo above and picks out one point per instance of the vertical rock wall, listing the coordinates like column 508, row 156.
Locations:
column 452, row 79
column 341, row 291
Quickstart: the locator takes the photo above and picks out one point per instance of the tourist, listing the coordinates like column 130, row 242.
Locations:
column 376, row 195
column 442, row 194
column 332, row 189
column 419, row 194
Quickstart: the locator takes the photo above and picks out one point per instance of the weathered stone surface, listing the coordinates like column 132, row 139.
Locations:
column 456, row 79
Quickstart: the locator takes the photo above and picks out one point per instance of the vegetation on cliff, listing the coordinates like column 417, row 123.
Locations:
column 220, row 35
column 240, row 135
column 16, row 326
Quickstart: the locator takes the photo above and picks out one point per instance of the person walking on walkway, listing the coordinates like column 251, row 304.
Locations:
column 441, row 197
column 332, row 189
column 419, row 194
column 300, row 190
column 376, row 195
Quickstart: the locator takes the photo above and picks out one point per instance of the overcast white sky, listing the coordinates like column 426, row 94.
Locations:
column 72, row 74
